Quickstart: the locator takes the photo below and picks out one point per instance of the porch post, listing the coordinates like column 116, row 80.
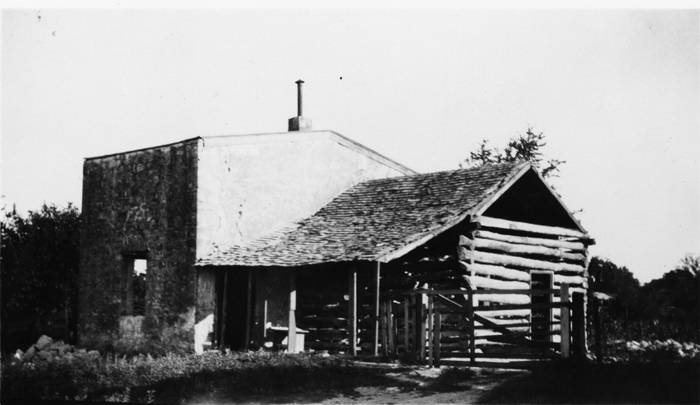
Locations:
column 564, row 320
column 292, row 324
column 352, row 309
column 375, row 344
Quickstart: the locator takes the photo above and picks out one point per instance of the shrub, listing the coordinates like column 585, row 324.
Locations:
column 87, row 376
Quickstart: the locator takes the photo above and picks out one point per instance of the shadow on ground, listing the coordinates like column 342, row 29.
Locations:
column 602, row 383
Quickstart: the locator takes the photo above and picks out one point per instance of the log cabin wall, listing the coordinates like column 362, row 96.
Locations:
column 502, row 254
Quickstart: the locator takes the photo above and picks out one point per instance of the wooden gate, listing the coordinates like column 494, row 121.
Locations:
column 445, row 327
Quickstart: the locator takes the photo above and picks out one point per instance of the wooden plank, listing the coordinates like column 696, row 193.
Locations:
column 352, row 310
column 506, row 260
column 528, row 240
column 483, row 308
column 490, row 222
column 519, row 249
column 509, row 312
column 565, row 324
column 377, row 272
column 522, row 299
column 292, row 323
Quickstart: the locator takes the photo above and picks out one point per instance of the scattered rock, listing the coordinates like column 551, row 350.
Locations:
column 45, row 355
column 45, row 349
column 43, row 342
column 29, row 354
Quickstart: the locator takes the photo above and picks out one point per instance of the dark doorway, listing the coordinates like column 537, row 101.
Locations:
column 233, row 308
column 541, row 318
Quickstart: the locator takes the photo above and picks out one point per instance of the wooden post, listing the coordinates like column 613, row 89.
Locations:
column 420, row 328
column 264, row 325
column 564, row 320
column 405, row 325
column 437, row 336
column 390, row 327
column 248, row 309
column 292, row 324
column 472, row 339
column 375, row 343
column 598, row 330
column 352, row 310
column 383, row 328
column 430, row 330
column 579, row 325
column 224, row 305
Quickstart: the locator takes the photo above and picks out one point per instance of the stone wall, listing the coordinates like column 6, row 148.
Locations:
column 142, row 201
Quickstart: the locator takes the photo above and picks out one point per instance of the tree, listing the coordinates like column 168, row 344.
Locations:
column 526, row 146
column 671, row 302
column 605, row 276
column 40, row 255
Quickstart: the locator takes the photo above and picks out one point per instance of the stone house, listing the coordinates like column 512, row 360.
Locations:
column 234, row 240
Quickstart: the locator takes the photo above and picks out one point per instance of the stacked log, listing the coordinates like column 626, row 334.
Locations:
column 502, row 254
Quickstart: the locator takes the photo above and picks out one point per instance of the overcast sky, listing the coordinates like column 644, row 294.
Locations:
column 615, row 92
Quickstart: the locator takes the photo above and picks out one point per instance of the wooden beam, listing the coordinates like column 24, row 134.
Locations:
column 292, row 323
column 484, row 282
column 528, row 240
column 377, row 276
column 490, row 222
column 493, row 270
column 506, row 260
column 352, row 309
column 514, row 248
column 502, row 298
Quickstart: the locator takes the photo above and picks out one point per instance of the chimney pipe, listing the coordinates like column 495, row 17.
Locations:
column 299, row 123
column 299, row 101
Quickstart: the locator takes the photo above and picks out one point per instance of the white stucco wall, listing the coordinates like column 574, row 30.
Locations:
column 251, row 185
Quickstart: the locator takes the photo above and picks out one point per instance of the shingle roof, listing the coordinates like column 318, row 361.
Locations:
column 374, row 218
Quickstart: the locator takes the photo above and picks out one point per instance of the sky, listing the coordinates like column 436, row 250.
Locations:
column 616, row 94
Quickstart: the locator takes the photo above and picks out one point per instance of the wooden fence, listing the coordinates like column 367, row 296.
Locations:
column 430, row 326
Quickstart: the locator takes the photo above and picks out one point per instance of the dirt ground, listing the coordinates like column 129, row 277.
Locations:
column 676, row 383
column 402, row 386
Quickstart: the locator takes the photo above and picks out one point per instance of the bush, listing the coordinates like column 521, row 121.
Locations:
column 93, row 377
